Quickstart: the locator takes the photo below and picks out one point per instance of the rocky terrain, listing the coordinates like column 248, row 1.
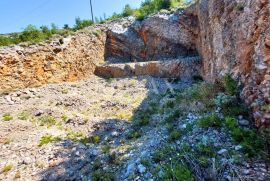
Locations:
column 180, row 95
column 123, row 129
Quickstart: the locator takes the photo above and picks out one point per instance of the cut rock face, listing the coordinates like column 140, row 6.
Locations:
column 157, row 37
column 179, row 68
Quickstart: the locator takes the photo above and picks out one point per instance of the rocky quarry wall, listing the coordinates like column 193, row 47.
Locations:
column 230, row 36
column 70, row 59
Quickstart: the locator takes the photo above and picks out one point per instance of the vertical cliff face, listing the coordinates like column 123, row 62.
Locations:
column 234, row 37
column 50, row 62
column 157, row 37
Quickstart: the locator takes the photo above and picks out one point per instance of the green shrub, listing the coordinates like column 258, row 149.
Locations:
column 23, row 115
column 210, row 121
column 95, row 139
column 133, row 135
column 206, row 150
column 80, row 24
column 230, row 85
column 230, row 123
column 251, row 141
column 127, row 11
column 7, row 117
column 101, row 175
column 240, row 7
column 48, row 139
column 77, row 137
column 177, row 172
column 175, row 134
column 7, row 168
column 46, row 120
column 234, row 109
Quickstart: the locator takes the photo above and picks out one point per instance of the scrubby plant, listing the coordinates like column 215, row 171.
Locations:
column 222, row 99
column 230, row 85
column 177, row 171
column 175, row 134
column 133, row 135
column 234, row 109
column 206, row 150
column 127, row 11
column 210, row 121
column 47, row 120
column 240, row 7
column 80, row 24
column 48, row 139
column 23, row 115
column 77, row 137
column 101, row 175
column 7, row 168
column 250, row 139
column 7, row 117
column 95, row 139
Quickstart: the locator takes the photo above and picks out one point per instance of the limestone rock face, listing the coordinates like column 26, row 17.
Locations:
column 179, row 68
column 157, row 37
column 234, row 38
column 50, row 62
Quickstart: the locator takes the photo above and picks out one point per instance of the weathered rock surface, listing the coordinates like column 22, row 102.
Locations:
column 49, row 62
column 180, row 68
column 157, row 37
column 234, row 38
column 231, row 36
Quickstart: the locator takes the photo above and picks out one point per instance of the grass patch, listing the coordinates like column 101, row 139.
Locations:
column 7, row 168
column 95, row 139
column 177, row 172
column 23, row 115
column 175, row 134
column 48, row 121
column 210, row 121
column 78, row 137
column 230, row 85
column 7, row 117
column 250, row 139
column 133, row 135
column 46, row 139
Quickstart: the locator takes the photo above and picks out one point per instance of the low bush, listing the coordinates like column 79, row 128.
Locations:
column 177, row 172
column 7, row 117
column 210, row 121
column 48, row 139
column 47, row 120
column 230, row 85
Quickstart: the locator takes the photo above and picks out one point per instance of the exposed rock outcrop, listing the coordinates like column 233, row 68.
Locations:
column 234, row 38
column 231, row 36
column 157, row 37
column 184, row 69
column 48, row 62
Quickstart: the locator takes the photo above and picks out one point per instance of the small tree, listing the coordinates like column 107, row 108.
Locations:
column 128, row 11
column 80, row 24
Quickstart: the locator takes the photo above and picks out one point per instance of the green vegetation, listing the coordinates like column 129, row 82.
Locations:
column 23, row 115
column 47, row 120
column 133, row 135
column 32, row 34
column 95, row 139
column 240, row 7
column 230, row 85
column 175, row 134
column 7, row 117
column 78, row 137
column 46, row 139
column 7, row 168
column 249, row 138
column 210, row 121
column 177, row 172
